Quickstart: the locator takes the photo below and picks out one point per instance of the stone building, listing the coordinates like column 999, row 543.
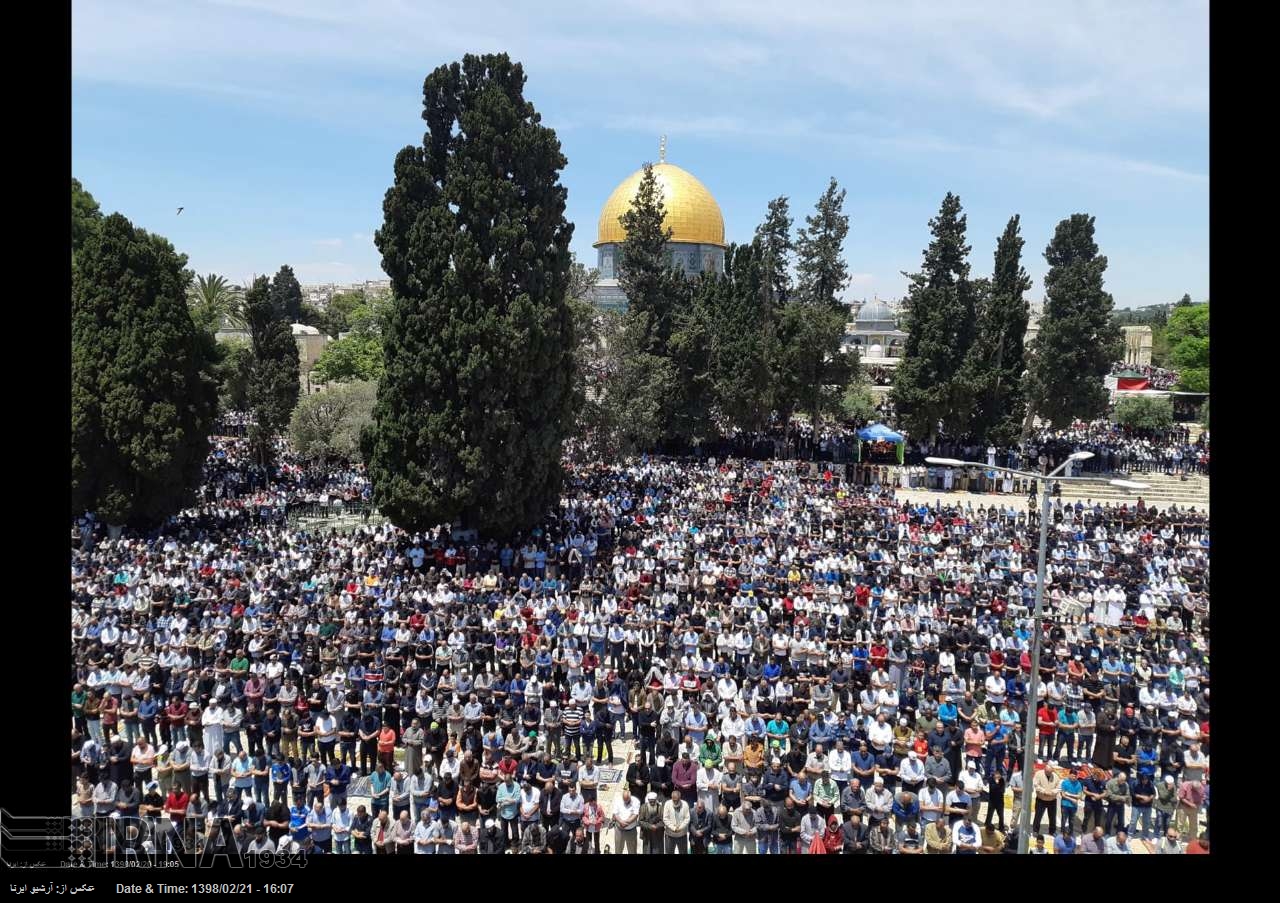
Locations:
column 1137, row 345
column 311, row 343
column 874, row 334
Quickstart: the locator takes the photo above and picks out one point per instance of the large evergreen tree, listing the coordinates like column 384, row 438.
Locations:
column 141, row 399
column 811, row 371
column 776, row 247
column 286, row 294
column 643, row 268
column 822, row 271
column 689, row 409
column 931, row 384
column 478, row 393
column 1077, row 341
column 273, row 381
column 638, row 390
column 744, row 338
column 997, row 359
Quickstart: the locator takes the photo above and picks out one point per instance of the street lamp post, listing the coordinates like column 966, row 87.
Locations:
column 1037, row 633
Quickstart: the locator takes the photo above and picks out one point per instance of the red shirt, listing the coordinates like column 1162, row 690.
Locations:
column 109, row 710
column 178, row 800
column 1046, row 714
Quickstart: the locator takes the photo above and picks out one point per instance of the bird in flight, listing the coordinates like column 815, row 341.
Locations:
column 180, row 209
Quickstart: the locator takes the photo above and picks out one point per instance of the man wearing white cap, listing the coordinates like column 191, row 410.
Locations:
column 651, row 824
column 879, row 802
column 212, row 720
column 911, row 773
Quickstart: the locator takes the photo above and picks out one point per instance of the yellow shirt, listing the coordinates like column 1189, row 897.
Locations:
column 937, row 837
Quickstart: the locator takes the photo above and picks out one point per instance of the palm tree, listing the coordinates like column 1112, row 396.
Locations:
column 215, row 303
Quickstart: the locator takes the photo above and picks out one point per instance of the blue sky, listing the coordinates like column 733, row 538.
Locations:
column 275, row 122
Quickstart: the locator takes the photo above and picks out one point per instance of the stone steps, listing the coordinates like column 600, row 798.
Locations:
column 1154, row 495
column 1165, row 489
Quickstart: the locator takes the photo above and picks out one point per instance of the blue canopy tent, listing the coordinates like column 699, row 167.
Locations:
column 878, row 432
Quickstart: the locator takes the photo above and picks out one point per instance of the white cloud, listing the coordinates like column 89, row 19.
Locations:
column 1099, row 93
column 1039, row 60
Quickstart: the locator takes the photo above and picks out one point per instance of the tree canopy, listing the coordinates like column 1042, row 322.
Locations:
column 354, row 358
column 478, row 392
column 234, row 373
column 1078, row 340
column 1143, row 413
column 273, row 381
column 776, row 248
column 822, row 271
column 1188, row 336
column 997, row 359
column 286, row 294
column 326, row 426
column 142, row 400
column 357, row 356
column 932, row 384
column 643, row 270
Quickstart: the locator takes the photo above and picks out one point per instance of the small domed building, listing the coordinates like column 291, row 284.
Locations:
column 874, row 334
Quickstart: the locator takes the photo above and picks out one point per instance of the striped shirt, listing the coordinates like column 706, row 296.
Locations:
column 571, row 719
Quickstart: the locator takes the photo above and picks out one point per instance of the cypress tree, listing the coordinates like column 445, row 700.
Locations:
column 811, row 370
column 997, row 358
column 689, row 409
column 142, row 402
column 820, row 264
column 776, row 247
column 642, row 271
column 931, row 384
column 273, row 381
column 744, row 338
column 478, row 391
column 286, row 295
column 1078, row 340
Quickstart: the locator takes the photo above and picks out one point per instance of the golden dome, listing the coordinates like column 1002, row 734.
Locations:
column 692, row 213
